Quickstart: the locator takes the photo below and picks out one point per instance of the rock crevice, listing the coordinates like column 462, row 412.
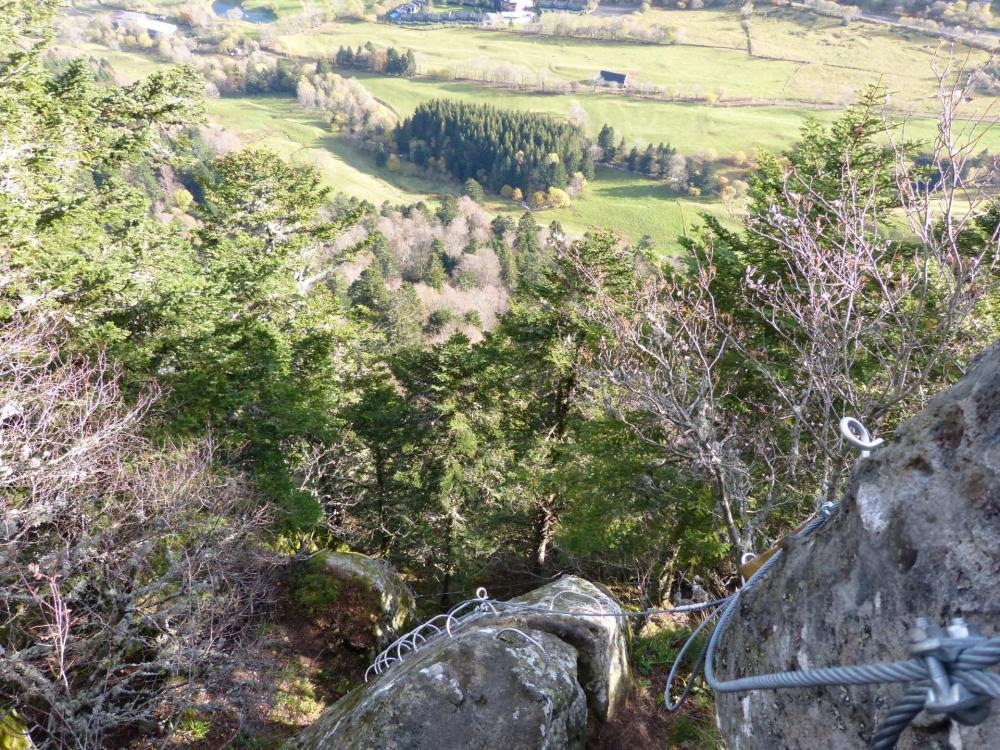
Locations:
column 521, row 680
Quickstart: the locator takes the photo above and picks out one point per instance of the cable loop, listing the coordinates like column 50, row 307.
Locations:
column 523, row 635
column 948, row 674
column 857, row 435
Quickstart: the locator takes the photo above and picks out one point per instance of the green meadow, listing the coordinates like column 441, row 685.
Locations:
column 304, row 137
column 635, row 207
column 796, row 57
column 615, row 200
column 814, row 65
column 688, row 127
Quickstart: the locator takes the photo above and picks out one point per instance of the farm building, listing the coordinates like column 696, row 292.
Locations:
column 608, row 76
column 156, row 29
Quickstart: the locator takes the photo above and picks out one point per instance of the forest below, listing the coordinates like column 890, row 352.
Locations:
column 194, row 400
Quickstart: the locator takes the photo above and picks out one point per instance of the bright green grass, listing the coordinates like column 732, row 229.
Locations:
column 281, row 8
column 717, row 28
column 802, row 36
column 688, row 127
column 615, row 200
column 689, row 70
column 303, row 137
column 797, row 57
column 285, row 7
column 300, row 135
column 129, row 65
column 634, row 207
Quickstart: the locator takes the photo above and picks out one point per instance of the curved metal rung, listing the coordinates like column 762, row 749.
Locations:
column 855, row 433
column 523, row 635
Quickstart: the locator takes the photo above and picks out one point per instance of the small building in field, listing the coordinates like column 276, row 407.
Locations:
column 156, row 29
column 608, row 76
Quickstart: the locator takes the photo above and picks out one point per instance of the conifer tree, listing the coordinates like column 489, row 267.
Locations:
column 435, row 274
column 633, row 159
column 648, row 160
column 447, row 210
column 606, row 141
column 523, row 150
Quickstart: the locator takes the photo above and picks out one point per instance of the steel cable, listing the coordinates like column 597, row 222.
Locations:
column 945, row 665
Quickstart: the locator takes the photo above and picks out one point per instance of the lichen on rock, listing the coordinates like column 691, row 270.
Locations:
column 918, row 536
column 544, row 685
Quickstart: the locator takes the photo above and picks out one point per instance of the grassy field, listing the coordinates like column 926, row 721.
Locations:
column 796, row 56
column 840, row 61
column 615, row 200
column 303, row 137
column 688, row 127
column 469, row 51
column 633, row 206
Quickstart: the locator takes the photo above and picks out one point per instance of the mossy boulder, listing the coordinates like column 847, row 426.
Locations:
column 337, row 587
column 546, row 685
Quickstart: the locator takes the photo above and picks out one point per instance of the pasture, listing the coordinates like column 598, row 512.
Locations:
column 633, row 206
column 303, row 137
column 690, row 128
column 615, row 200
column 797, row 57
column 809, row 59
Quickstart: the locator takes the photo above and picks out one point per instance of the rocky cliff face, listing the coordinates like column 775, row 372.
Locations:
column 545, row 687
column 918, row 536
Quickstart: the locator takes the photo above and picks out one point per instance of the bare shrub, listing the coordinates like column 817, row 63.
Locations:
column 489, row 302
column 220, row 140
column 742, row 383
column 410, row 241
column 129, row 573
column 483, row 268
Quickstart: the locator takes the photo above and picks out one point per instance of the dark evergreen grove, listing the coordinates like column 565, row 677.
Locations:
column 495, row 147
column 389, row 60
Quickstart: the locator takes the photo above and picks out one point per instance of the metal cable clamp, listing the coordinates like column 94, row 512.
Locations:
column 940, row 649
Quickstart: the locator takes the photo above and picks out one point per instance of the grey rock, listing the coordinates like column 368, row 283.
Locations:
column 601, row 642
column 918, row 536
column 395, row 599
column 487, row 687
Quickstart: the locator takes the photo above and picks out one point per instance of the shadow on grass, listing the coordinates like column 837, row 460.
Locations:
column 651, row 190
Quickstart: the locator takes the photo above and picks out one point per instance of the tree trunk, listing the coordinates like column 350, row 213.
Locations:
column 736, row 539
column 545, row 525
column 449, row 563
column 380, row 472
column 659, row 582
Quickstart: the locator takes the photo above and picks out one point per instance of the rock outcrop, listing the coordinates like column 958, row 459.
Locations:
column 918, row 536
column 394, row 601
column 547, row 686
